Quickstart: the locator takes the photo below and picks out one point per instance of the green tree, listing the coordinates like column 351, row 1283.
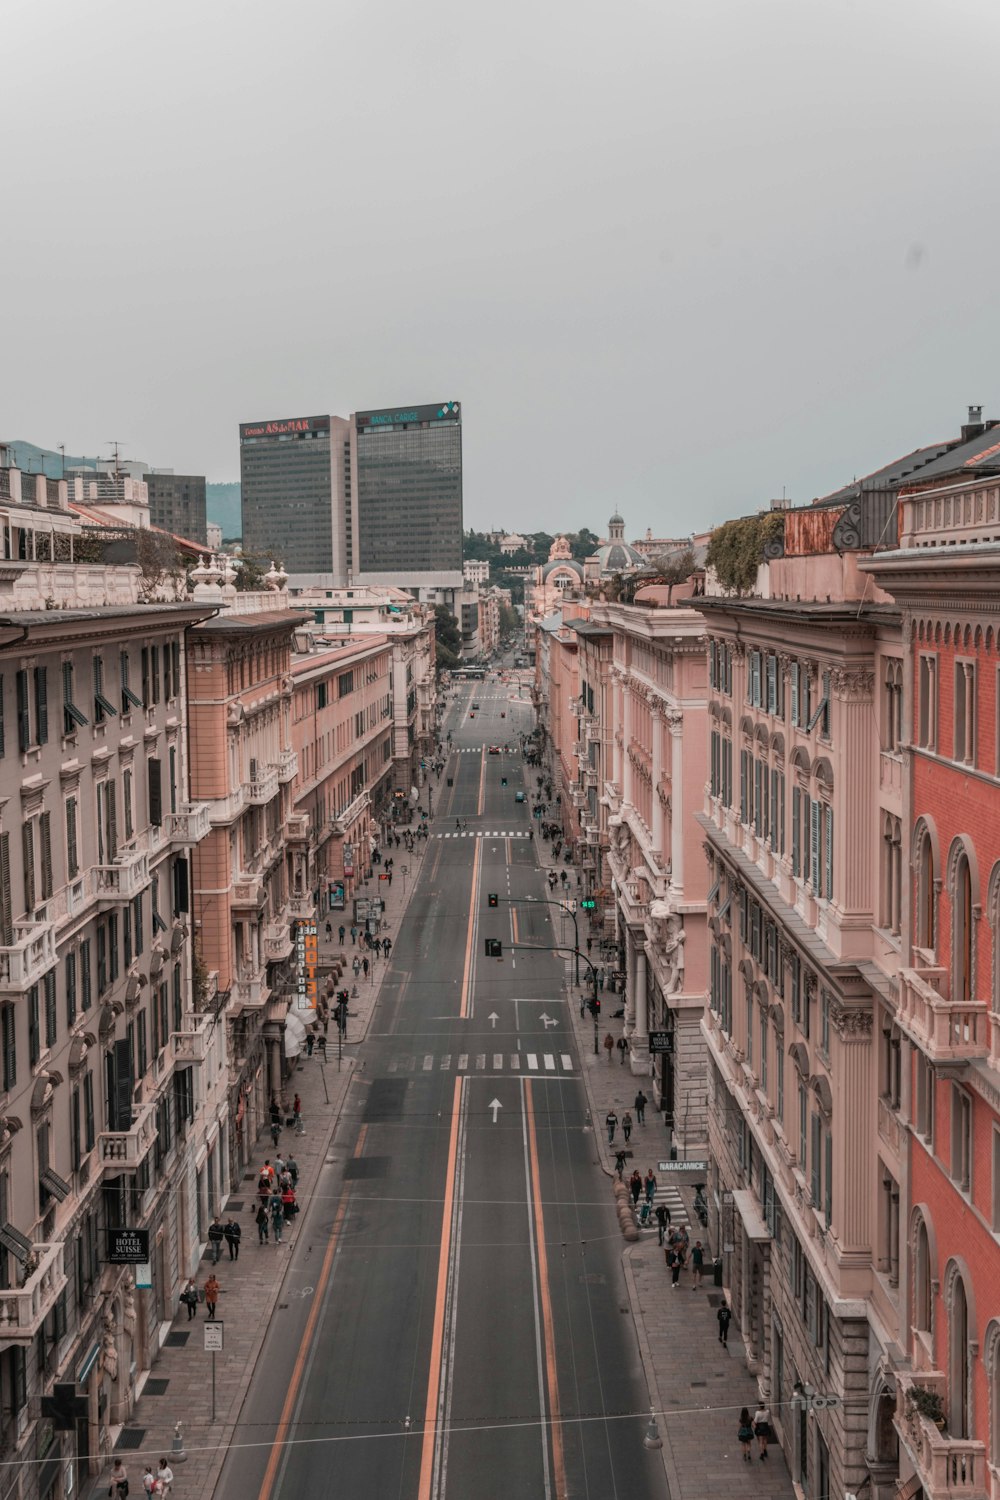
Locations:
column 584, row 543
column 675, row 567
column 250, row 575
column 447, row 638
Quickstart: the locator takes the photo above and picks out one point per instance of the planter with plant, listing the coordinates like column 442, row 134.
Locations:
column 928, row 1403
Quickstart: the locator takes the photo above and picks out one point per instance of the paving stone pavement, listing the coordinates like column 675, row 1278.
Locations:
column 253, row 1283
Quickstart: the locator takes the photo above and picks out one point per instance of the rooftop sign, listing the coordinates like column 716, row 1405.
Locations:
column 444, row 411
column 284, row 427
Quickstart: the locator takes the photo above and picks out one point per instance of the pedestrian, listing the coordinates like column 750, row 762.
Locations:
column 745, row 1432
column 354, row 934
column 215, row 1237
column 611, row 1121
column 622, row 1049
column 275, row 1130
column 293, row 1170
column 609, row 1045
column 310, row 1042
column 366, row 966
column 321, row 1044
column 189, row 1297
column 650, row 1184
column 119, row 1481
column 329, row 932
column 165, row 1475
column 289, row 1207
column 697, row 1263
column 275, row 1110
column 673, row 1264
column 387, row 946
column 149, row 1483
column 297, row 1113
column 261, row 1222
column 277, row 1215
column 233, row 1236
column 211, row 1295
column 590, row 944
column 341, row 931
column 356, row 966
column 626, row 1126
column 662, row 1219
column 620, row 1159
column 635, row 1187
column 389, row 878
column 762, row 1428
column 640, row 1107
column 725, row 1317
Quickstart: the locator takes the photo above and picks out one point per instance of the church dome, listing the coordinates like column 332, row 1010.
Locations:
column 564, row 565
column 615, row 555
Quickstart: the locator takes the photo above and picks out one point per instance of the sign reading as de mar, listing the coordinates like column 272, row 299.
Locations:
column 128, row 1247
column 661, row 1041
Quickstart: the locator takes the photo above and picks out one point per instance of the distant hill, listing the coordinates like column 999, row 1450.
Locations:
column 222, row 501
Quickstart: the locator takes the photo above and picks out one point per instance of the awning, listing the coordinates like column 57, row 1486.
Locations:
column 746, row 1206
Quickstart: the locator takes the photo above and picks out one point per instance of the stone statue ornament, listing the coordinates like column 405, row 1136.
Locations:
column 673, row 950
column 658, row 924
column 109, row 1347
column 620, row 837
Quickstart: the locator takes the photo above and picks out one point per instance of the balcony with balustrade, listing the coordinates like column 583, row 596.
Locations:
column 190, row 824
column 190, row 1045
column 23, row 1309
column 297, row 828
column 251, row 990
column 948, row 1468
column 125, row 878
column 301, row 909
column 287, row 766
column 263, row 785
column 277, row 941
column 31, row 955
column 126, row 1150
column 249, row 891
column 945, row 1031
column 345, row 819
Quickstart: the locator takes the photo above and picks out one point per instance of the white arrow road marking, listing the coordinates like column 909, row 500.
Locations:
column 548, row 1021
column 493, row 1018
column 495, row 1106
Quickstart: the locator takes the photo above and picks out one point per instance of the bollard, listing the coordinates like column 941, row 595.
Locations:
column 652, row 1438
column 177, row 1453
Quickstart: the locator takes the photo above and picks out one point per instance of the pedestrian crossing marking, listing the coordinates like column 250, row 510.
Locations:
column 480, row 833
column 482, row 1062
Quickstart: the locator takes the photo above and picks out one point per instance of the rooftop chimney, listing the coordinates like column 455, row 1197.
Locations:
column 975, row 425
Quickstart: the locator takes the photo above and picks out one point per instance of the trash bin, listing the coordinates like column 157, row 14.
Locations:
column 717, row 1271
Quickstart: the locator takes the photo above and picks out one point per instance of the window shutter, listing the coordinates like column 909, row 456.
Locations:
column 45, row 831
column 796, row 831
column 70, row 988
column 743, row 787
column 145, row 676
column 816, row 1160
column 9, row 1048
column 23, row 713
column 85, row 978
column 814, row 843
column 72, row 858
column 829, row 853
column 6, row 905
column 28, row 846
column 180, row 885
column 175, row 652
column 795, row 693
column 828, row 1177
column 50, row 1008
column 112, row 806
column 758, row 800
column 772, row 684
column 3, row 745
column 781, row 812
column 154, row 774
column 773, row 829
column 42, row 705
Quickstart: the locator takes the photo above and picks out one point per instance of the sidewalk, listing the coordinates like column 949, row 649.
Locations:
column 178, row 1386
column 696, row 1385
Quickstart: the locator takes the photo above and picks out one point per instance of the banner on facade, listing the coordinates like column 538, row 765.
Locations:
column 128, row 1247
column 306, row 964
column 336, row 895
column 348, row 861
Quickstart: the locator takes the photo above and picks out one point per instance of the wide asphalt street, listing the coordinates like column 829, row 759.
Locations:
column 454, row 1321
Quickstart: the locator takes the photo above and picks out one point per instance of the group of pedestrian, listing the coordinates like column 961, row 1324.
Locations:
column 677, row 1251
column 229, row 1233
column 159, row 1483
column 611, row 1119
column 276, row 1201
column 758, row 1426
column 639, row 1185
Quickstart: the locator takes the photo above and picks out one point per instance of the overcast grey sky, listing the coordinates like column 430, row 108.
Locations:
column 671, row 258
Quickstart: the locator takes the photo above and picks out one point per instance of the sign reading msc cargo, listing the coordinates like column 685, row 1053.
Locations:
column 128, row 1247
column 306, row 961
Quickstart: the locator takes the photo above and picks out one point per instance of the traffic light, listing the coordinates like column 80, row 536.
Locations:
column 494, row 948
column 588, row 904
column 493, row 899
column 594, row 1005
column 503, row 781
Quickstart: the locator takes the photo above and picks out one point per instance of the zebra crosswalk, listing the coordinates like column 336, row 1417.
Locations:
column 480, row 833
column 482, row 1062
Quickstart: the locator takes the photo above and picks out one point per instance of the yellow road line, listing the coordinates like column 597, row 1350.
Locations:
column 437, row 1332
column 548, row 1321
column 470, row 955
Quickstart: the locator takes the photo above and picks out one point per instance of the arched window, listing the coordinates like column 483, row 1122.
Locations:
column 925, row 925
column 962, row 924
column 923, row 1276
column 992, row 1361
column 958, row 1359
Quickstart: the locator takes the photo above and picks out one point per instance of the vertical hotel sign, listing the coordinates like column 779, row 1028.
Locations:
column 306, row 961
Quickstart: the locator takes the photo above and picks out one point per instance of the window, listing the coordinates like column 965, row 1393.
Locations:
column 154, row 783
column 803, row 1126
column 50, row 1008
column 892, row 705
column 961, row 1139
column 8, row 1038
column 763, row 1048
column 779, row 1076
column 72, row 843
column 995, row 1186
column 86, row 992
column 962, row 922
column 41, row 706
column 34, row 1027
column 89, row 1134
column 321, row 695
column 821, row 713
column 965, row 712
column 345, row 684
column 70, row 968
column 925, row 893
column 103, row 707
column 892, row 873
column 45, row 853
column 798, row 799
column 127, row 803
column 928, row 706
column 130, row 700
column 924, row 1116
column 72, row 716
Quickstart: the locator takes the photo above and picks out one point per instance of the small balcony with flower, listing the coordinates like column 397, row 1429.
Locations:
column 948, row 1468
column 42, row 1279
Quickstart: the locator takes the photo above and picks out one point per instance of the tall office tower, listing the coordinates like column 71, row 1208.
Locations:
column 295, row 489
column 177, row 503
column 407, row 497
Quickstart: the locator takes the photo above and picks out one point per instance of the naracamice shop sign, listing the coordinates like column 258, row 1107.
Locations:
column 306, row 961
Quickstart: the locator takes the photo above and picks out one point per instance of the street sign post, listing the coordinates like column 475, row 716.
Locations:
column 214, row 1328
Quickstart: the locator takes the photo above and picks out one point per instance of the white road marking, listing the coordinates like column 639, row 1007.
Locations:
column 428, row 1063
column 533, row 1062
column 463, row 1061
column 566, row 1060
column 550, row 1062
